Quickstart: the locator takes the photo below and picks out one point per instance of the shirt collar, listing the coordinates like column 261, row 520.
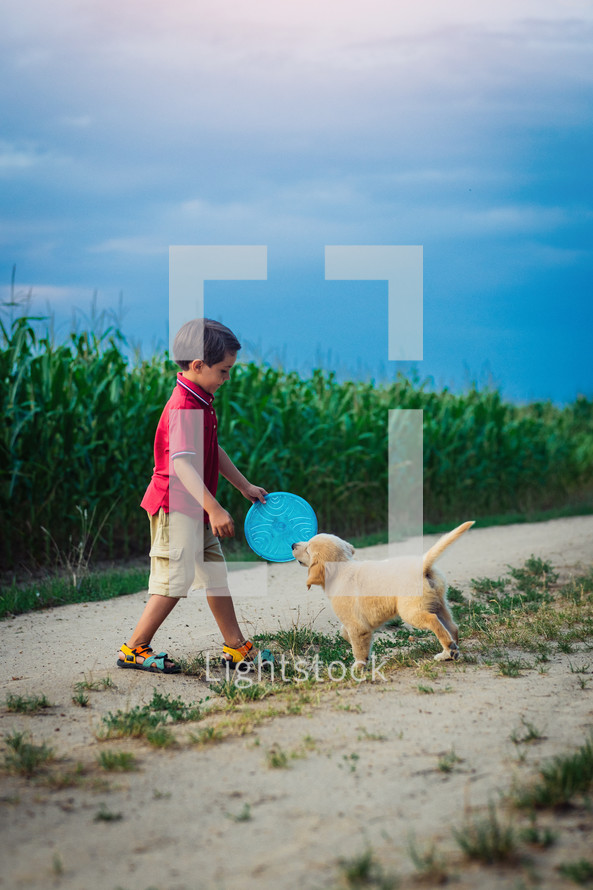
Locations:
column 205, row 397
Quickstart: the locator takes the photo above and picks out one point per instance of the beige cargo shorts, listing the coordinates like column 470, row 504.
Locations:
column 184, row 556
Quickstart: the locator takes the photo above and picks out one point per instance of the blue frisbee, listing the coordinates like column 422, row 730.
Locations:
column 272, row 528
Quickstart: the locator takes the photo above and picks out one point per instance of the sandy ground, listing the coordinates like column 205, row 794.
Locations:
column 363, row 761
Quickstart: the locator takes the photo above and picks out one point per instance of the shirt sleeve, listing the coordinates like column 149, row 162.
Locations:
column 186, row 432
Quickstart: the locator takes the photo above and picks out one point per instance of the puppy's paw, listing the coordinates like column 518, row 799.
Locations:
column 450, row 654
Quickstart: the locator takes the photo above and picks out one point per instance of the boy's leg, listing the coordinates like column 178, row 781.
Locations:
column 223, row 609
column 171, row 571
column 211, row 575
column 155, row 611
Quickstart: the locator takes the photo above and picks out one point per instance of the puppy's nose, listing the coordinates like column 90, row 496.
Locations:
column 293, row 546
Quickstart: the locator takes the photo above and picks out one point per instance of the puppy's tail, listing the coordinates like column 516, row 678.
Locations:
column 441, row 545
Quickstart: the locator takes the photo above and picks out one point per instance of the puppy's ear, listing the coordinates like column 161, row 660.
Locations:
column 316, row 574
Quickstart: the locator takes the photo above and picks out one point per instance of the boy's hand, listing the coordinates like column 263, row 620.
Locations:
column 221, row 522
column 254, row 493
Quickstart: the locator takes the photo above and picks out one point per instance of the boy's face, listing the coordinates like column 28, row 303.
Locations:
column 210, row 377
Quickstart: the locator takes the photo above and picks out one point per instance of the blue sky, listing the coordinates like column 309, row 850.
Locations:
column 463, row 127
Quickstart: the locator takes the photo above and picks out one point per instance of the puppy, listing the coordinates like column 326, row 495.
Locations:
column 364, row 595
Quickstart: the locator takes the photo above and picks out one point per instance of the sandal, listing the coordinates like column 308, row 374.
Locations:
column 245, row 657
column 153, row 663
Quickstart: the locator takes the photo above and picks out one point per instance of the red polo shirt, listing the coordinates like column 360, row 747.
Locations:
column 187, row 427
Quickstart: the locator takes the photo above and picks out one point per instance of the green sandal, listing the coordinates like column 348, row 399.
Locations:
column 153, row 663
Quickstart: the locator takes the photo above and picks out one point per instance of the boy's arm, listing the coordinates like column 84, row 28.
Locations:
column 227, row 468
column 221, row 522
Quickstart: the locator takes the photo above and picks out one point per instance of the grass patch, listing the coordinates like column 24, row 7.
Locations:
column 160, row 737
column 276, row 758
column 23, row 757
column 308, row 646
column 447, row 762
column 561, row 780
column 512, row 667
column 176, row 709
column 16, row 599
column 364, row 871
column 487, row 840
column 147, row 721
column 528, row 734
column 529, row 613
column 429, row 864
column 243, row 815
column 105, row 815
column 580, row 872
column 94, row 685
column 133, row 724
column 536, row 836
column 57, row 780
column 193, row 667
column 117, row 761
column 27, row 704
column 80, row 699
column 209, row 735
column 238, row 690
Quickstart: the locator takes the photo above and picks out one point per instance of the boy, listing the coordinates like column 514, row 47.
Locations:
column 186, row 520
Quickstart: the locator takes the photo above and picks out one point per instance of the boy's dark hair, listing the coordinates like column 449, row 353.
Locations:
column 205, row 339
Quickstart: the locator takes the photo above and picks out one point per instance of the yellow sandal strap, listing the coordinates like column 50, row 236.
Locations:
column 239, row 654
column 142, row 651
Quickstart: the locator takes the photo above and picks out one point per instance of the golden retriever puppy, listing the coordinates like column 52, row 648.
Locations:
column 364, row 595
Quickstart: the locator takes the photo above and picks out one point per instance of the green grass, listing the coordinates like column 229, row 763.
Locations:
column 448, row 761
column 105, row 815
column 487, row 839
column 24, row 757
column 117, row 761
column 193, row 667
column 235, row 693
column 512, row 667
column 27, row 704
column 276, row 758
column 529, row 733
column 304, row 642
column 209, row 735
column 177, row 710
column 580, row 872
column 536, row 836
column 94, row 685
column 243, row 816
column 365, row 871
column 561, row 781
column 160, row 737
column 430, row 866
column 15, row 599
column 528, row 613
column 147, row 721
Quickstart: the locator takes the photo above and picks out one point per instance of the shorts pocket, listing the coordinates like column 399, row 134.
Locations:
column 161, row 551
column 168, row 571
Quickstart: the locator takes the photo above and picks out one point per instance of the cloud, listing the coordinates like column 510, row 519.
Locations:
column 14, row 157
column 134, row 246
column 45, row 293
column 76, row 122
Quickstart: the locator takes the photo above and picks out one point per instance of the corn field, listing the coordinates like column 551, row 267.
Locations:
column 78, row 423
